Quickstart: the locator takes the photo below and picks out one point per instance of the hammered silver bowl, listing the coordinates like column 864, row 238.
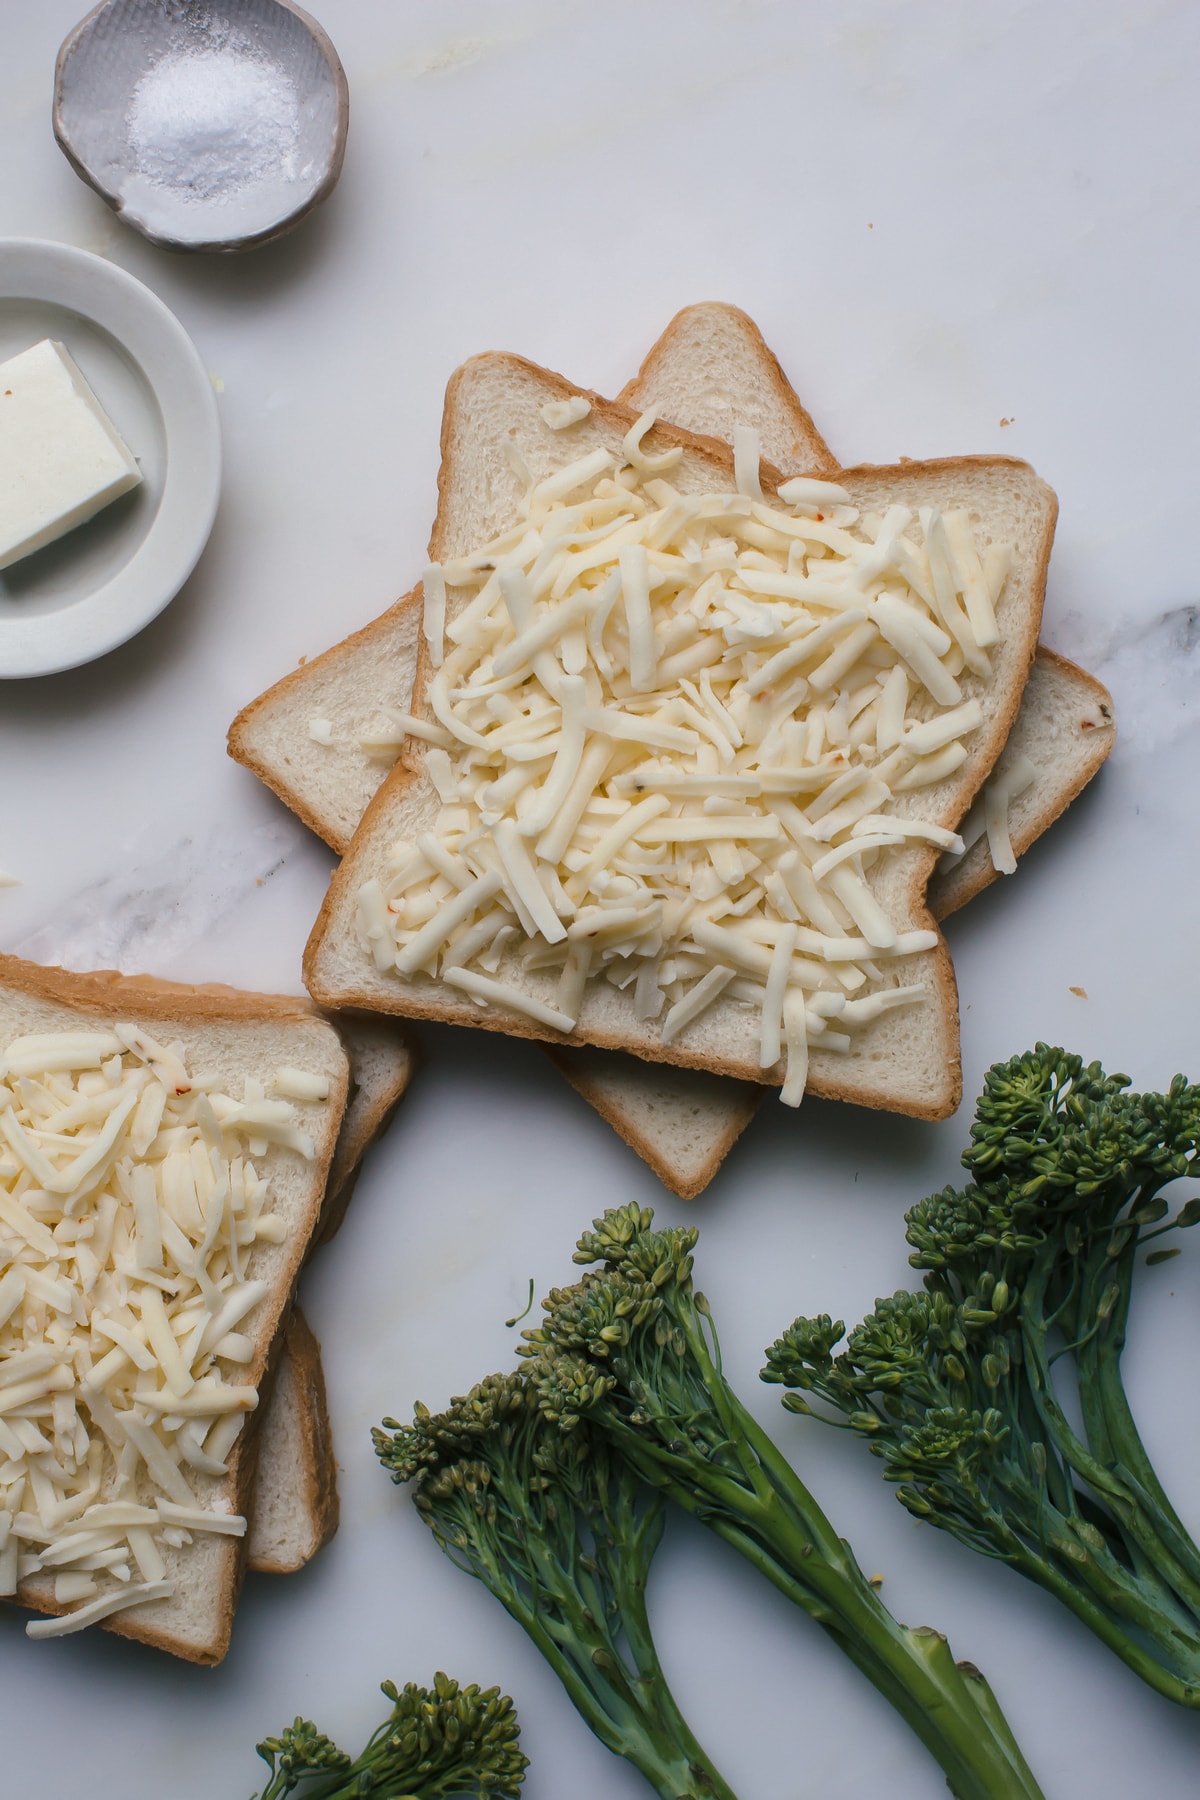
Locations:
column 206, row 126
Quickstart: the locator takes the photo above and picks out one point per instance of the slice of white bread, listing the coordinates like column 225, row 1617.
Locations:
column 295, row 1492
column 1065, row 729
column 681, row 1122
column 232, row 1036
column 295, row 1507
column 365, row 678
column 382, row 1061
column 712, row 369
column 903, row 1061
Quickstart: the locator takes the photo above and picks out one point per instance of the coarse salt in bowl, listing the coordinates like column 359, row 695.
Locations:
column 207, row 126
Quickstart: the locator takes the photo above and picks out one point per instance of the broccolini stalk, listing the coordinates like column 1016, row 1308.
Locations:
column 630, row 1355
column 966, row 1390
column 434, row 1744
column 563, row 1533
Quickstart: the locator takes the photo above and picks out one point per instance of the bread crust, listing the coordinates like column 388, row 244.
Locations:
column 153, row 1001
column 151, row 996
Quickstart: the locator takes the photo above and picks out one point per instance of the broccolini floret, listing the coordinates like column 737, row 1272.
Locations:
column 563, row 1533
column 441, row 1743
column 967, row 1389
column 629, row 1355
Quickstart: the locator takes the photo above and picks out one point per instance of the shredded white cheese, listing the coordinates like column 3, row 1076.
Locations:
column 433, row 616
column 129, row 1212
column 990, row 817
column 559, row 414
column 667, row 736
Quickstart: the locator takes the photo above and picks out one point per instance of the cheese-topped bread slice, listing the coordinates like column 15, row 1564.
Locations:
column 163, row 1157
column 324, row 737
column 712, row 370
column 513, row 490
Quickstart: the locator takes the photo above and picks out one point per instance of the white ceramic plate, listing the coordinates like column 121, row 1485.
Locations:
column 100, row 584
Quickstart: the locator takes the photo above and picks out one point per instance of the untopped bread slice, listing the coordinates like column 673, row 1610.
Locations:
column 681, row 1122
column 906, row 1062
column 295, row 1492
column 294, row 1512
column 304, row 737
column 1064, row 732
column 712, row 370
column 382, row 1062
column 232, row 1038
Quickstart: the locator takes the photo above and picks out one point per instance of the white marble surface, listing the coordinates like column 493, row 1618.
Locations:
column 943, row 217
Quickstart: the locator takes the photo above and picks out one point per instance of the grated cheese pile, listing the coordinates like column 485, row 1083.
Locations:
column 129, row 1211
column 668, row 731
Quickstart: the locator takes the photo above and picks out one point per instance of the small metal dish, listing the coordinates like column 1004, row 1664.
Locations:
column 206, row 126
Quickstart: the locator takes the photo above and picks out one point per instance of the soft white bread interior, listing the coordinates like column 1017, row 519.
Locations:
column 910, row 1066
column 232, row 1037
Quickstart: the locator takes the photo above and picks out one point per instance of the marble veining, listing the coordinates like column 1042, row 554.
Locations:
column 142, row 917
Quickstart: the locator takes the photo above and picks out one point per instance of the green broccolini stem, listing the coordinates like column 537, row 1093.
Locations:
column 964, row 1390
column 1112, row 1434
column 631, row 1353
column 563, row 1534
column 788, row 1538
column 1143, row 1523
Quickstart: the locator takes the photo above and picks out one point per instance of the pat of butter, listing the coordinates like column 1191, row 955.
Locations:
column 61, row 458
